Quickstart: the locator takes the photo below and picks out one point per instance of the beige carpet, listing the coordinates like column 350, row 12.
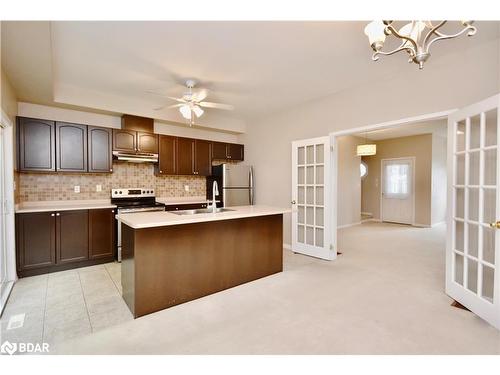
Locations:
column 385, row 294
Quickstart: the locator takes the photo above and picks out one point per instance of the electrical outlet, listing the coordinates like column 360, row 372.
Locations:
column 77, row 188
column 186, row 187
column 98, row 188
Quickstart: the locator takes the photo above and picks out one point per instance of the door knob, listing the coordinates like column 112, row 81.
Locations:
column 495, row 225
column 293, row 202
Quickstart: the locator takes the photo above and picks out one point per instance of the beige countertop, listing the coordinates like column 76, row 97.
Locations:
column 165, row 218
column 44, row 206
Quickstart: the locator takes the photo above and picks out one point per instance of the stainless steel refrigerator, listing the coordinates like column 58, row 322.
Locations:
column 237, row 184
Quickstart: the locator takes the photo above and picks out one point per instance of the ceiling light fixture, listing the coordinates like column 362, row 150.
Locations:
column 367, row 149
column 416, row 37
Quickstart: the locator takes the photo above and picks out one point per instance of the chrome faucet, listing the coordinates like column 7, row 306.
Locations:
column 215, row 191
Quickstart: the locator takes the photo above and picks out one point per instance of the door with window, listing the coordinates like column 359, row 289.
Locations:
column 472, row 252
column 397, row 202
column 311, row 198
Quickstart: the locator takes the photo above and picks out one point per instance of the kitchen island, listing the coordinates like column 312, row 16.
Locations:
column 169, row 259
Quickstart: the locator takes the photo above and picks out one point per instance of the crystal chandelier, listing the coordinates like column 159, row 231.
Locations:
column 416, row 37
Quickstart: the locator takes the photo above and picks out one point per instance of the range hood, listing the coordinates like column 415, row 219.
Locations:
column 135, row 158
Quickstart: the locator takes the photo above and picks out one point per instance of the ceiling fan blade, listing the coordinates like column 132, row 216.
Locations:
column 200, row 95
column 176, row 105
column 198, row 111
column 227, row 107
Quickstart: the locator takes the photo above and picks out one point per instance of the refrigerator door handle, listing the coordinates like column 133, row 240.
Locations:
column 250, row 180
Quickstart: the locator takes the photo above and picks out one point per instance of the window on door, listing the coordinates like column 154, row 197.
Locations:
column 397, row 180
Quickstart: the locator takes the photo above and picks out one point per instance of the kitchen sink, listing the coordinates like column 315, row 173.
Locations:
column 200, row 211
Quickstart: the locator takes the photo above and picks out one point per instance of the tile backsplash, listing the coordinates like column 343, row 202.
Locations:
column 60, row 186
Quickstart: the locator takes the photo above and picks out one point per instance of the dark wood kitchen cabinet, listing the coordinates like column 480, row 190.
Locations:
column 185, row 156
column 71, row 147
column 147, row 142
column 124, row 140
column 36, row 145
column 100, row 143
column 72, row 242
column 227, row 151
column 101, row 233
column 35, row 240
column 59, row 240
column 167, row 155
column 203, row 158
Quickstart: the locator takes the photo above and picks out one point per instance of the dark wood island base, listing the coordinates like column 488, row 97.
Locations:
column 169, row 265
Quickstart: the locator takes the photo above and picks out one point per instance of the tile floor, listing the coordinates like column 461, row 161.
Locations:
column 65, row 305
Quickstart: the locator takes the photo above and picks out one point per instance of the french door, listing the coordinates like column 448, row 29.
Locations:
column 473, row 241
column 312, row 198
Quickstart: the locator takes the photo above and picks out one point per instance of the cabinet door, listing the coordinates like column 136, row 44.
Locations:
column 203, row 158
column 72, row 236
column 71, row 147
column 185, row 156
column 124, row 140
column 234, row 151
column 167, row 158
column 219, row 151
column 35, row 240
column 100, row 142
column 101, row 233
column 147, row 142
column 36, row 144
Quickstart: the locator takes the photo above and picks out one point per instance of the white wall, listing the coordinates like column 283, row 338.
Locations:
column 445, row 83
column 349, row 181
column 110, row 121
column 438, row 208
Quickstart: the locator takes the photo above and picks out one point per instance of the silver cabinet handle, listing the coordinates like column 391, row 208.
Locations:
column 293, row 202
column 58, row 214
column 52, row 215
column 113, row 211
column 111, row 170
column 161, row 171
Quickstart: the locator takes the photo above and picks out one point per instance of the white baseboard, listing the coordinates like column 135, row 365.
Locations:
column 348, row 225
column 287, row 246
column 366, row 213
column 5, row 295
column 421, row 225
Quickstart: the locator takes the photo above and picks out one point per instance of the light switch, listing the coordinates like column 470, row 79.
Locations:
column 77, row 188
column 186, row 187
column 98, row 188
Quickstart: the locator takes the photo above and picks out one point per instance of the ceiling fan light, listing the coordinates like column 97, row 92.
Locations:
column 185, row 112
column 366, row 150
column 198, row 111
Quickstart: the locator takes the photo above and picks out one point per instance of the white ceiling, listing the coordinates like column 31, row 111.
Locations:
column 259, row 67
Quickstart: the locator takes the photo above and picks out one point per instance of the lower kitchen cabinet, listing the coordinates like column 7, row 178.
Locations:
column 72, row 240
column 35, row 240
column 101, row 233
column 54, row 241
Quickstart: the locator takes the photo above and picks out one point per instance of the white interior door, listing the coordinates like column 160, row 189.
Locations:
column 472, row 253
column 311, row 198
column 397, row 201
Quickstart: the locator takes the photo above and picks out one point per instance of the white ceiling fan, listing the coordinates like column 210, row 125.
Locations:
column 192, row 103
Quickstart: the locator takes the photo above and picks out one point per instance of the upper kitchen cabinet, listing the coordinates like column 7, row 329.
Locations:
column 36, row 145
column 234, row 151
column 147, row 142
column 203, row 158
column 185, row 156
column 167, row 158
column 71, row 147
column 124, row 140
column 100, row 141
column 227, row 151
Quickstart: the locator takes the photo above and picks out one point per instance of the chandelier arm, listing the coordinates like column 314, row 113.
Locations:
column 392, row 30
column 410, row 51
column 434, row 30
column 472, row 30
